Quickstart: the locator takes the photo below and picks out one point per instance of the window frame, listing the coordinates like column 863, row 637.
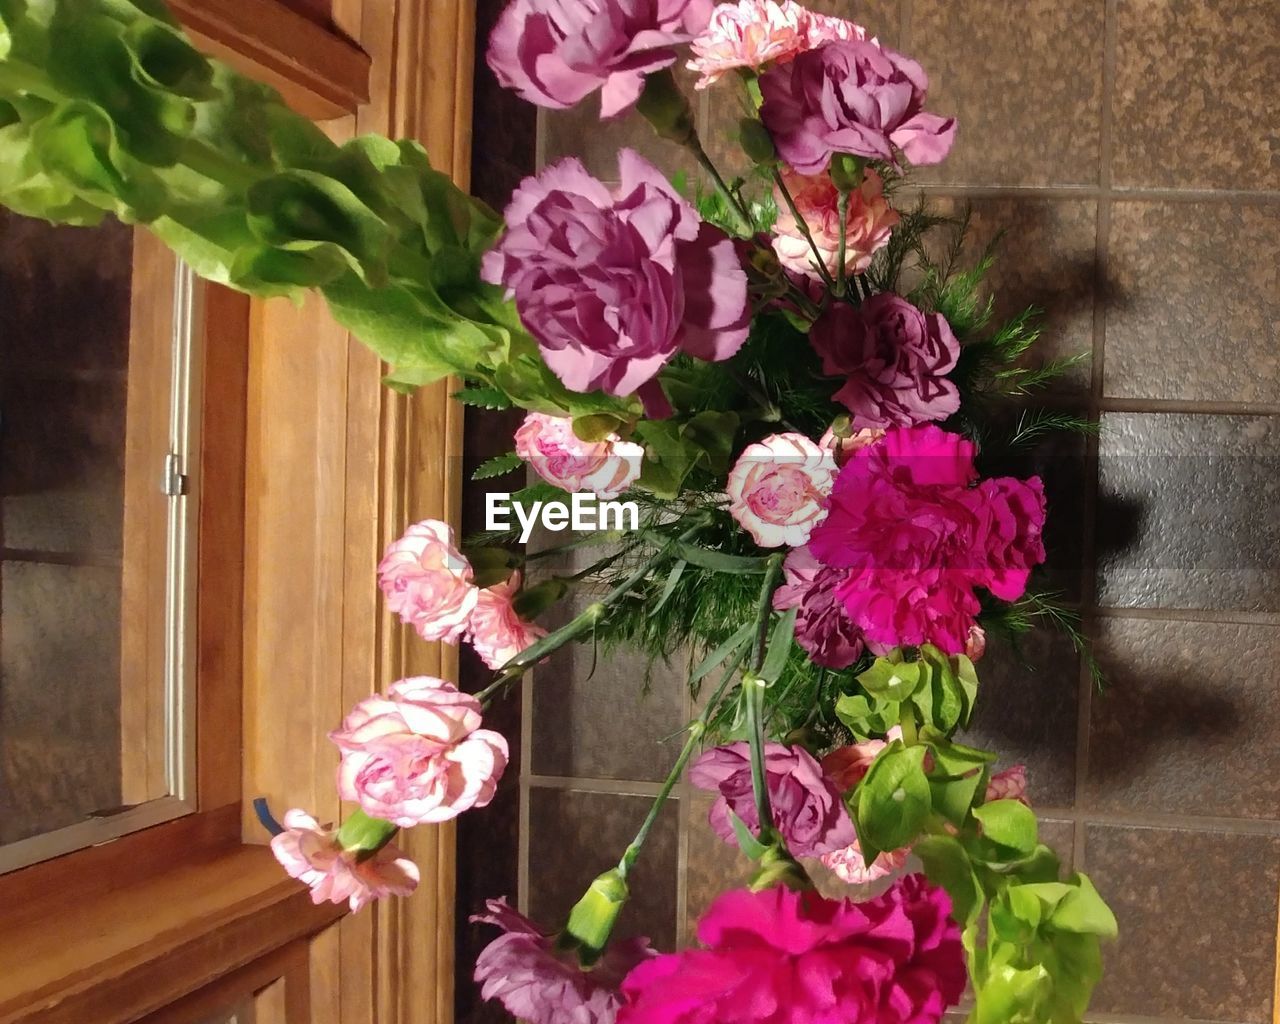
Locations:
column 393, row 456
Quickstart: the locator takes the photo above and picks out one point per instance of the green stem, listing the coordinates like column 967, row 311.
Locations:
column 804, row 229
column 842, row 211
column 19, row 77
column 212, row 163
column 755, row 697
column 584, row 621
column 697, row 729
column 726, row 193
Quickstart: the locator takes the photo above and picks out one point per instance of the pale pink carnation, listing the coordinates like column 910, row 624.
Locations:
column 823, row 28
column 1010, row 784
column 749, row 34
column 844, row 447
column 497, row 631
column 869, row 221
column 427, row 581
column 605, row 468
column 851, row 867
column 312, row 855
column 777, row 489
column 418, row 755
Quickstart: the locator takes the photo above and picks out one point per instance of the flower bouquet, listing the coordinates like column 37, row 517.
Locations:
column 789, row 380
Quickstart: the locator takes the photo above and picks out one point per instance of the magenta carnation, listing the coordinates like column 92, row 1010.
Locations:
column 556, row 52
column 614, row 285
column 538, row 983
column 852, row 97
column 823, row 626
column 894, row 359
column 807, row 809
column 785, row 957
column 916, row 538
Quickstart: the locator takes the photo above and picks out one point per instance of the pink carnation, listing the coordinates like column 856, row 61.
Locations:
column 851, row 867
column 312, row 855
column 844, row 447
column 894, row 359
column 418, row 755
column 823, row 28
column 605, row 468
column 785, row 957
column 541, row 984
column 614, row 284
column 975, row 645
column 749, row 34
column 497, row 631
column 916, row 538
column 427, row 581
column 823, row 626
column 853, row 97
column 1010, row 784
column 807, row 809
column 869, row 222
column 778, row 487
column 556, row 52
column 846, row 767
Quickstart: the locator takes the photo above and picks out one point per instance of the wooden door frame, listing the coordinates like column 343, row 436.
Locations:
column 169, row 923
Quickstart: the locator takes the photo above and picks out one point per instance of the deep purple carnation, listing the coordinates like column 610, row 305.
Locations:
column 895, row 359
column 824, row 627
column 916, row 537
column 614, row 285
column 785, row 957
column 808, row 810
column 556, row 52
column 537, row 983
column 852, row 97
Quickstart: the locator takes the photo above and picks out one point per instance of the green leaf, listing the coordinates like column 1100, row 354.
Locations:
column 499, row 465
column 1013, row 996
column 730, row 646
column 673, row 581
column 891, row 680
column 1009, row 823
column 1083, row 911
column 947, row 865
column 779, row 647
column 893, row 800
column 953, row 797
column 717, row 561
column 483, row 398
column 749, row 844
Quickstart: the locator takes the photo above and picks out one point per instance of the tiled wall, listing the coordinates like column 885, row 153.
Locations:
column 1131, row 150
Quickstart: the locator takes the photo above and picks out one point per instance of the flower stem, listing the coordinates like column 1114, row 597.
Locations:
column 584, row 621
column 726, row 193
column 754, row 692
column 804, row 228
column 842, row 211
column 697, row 729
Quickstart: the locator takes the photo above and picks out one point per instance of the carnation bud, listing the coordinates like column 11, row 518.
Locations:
column 592, row 918
column 665, row 107
column 778, row 867
column 847, row 172
column 533, row 601
column 756, row 141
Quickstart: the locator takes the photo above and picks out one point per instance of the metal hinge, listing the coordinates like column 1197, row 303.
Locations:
column 175, row 481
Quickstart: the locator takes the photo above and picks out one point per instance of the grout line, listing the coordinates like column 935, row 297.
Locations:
column 615, row 787
column 526, row 763
column 1112, row 1018
column 1118, row 193
column 683, row 810
column 1180, row 822
column 1226, row 617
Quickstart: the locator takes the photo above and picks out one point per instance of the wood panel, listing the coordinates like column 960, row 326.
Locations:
column 322, row 73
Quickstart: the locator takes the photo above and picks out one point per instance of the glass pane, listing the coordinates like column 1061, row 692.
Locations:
column 87, row 658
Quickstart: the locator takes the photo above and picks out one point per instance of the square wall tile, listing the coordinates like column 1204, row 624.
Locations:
column 575, row 836
column 1026, row 712
column 1025, row 87
column 1060, row 837
column 712, row 866
column 1180, row 725
column 1194, row 94
column 1197, row 916
column 1186, row 512
column 1196, row 313
column 1045, row 257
